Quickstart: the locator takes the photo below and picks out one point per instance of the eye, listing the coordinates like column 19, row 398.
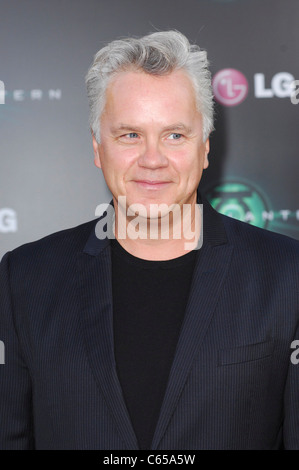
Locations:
column 175, row 136
column 132, row 135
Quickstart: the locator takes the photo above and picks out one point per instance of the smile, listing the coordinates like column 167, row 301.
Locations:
column 146, row 184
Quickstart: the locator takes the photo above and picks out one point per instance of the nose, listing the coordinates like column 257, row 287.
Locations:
column 152, row 156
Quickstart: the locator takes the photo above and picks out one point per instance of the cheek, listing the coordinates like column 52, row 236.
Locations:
column 187, row 162
column 189, row 165
column 117, row 164
column 120, row 157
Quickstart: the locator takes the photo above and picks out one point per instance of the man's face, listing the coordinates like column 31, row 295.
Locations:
column 151, row 148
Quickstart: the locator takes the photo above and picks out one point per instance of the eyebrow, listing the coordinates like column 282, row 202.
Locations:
column 178, row 127
column 173, row 127
column 125, row 127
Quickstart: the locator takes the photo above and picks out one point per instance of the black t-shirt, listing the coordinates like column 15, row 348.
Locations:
column 149, row 302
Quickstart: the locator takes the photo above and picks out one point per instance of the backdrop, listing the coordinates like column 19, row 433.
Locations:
column 48, row 181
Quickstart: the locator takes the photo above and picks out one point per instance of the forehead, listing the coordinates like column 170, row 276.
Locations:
column 141, row 92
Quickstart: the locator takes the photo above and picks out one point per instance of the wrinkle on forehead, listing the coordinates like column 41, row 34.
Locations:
column 136, row 99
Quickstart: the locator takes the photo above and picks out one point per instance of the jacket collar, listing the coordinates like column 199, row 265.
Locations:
column 94, row 273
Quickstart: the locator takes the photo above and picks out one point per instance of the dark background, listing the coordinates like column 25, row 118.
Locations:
column 48, row 180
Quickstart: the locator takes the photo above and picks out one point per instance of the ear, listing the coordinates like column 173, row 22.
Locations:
column 96, row 151
column 207, row 149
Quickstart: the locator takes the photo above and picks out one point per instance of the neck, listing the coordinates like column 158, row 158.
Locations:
column 174, row 234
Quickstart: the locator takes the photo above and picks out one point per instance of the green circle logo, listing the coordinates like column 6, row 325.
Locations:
column 240, row 200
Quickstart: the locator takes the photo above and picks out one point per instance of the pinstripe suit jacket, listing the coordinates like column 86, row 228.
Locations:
column 232, row 384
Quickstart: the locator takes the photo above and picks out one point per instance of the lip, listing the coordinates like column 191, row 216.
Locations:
column 148, row 184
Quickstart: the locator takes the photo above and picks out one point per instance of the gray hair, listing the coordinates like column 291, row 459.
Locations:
column 158, row 53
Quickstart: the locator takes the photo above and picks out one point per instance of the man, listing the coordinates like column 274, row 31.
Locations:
column 127, row 338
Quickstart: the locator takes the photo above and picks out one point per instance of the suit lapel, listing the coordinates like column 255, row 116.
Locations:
column 95, row 287
column 209, row 274
column 94, row 284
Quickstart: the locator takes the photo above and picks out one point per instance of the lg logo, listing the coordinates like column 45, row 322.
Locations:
column 281, row 85
column 2, row 93
column 230, row 86
column 8, row 220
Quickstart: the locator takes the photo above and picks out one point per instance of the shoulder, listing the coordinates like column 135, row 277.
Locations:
column 271, row 247
column 59, row 245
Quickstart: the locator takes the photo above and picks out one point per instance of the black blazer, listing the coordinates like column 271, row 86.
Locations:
column 232, row 384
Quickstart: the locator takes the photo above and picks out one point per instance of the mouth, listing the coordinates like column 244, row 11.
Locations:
column 151, row 184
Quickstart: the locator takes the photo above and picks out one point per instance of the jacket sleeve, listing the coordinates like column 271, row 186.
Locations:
column 16, row 421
